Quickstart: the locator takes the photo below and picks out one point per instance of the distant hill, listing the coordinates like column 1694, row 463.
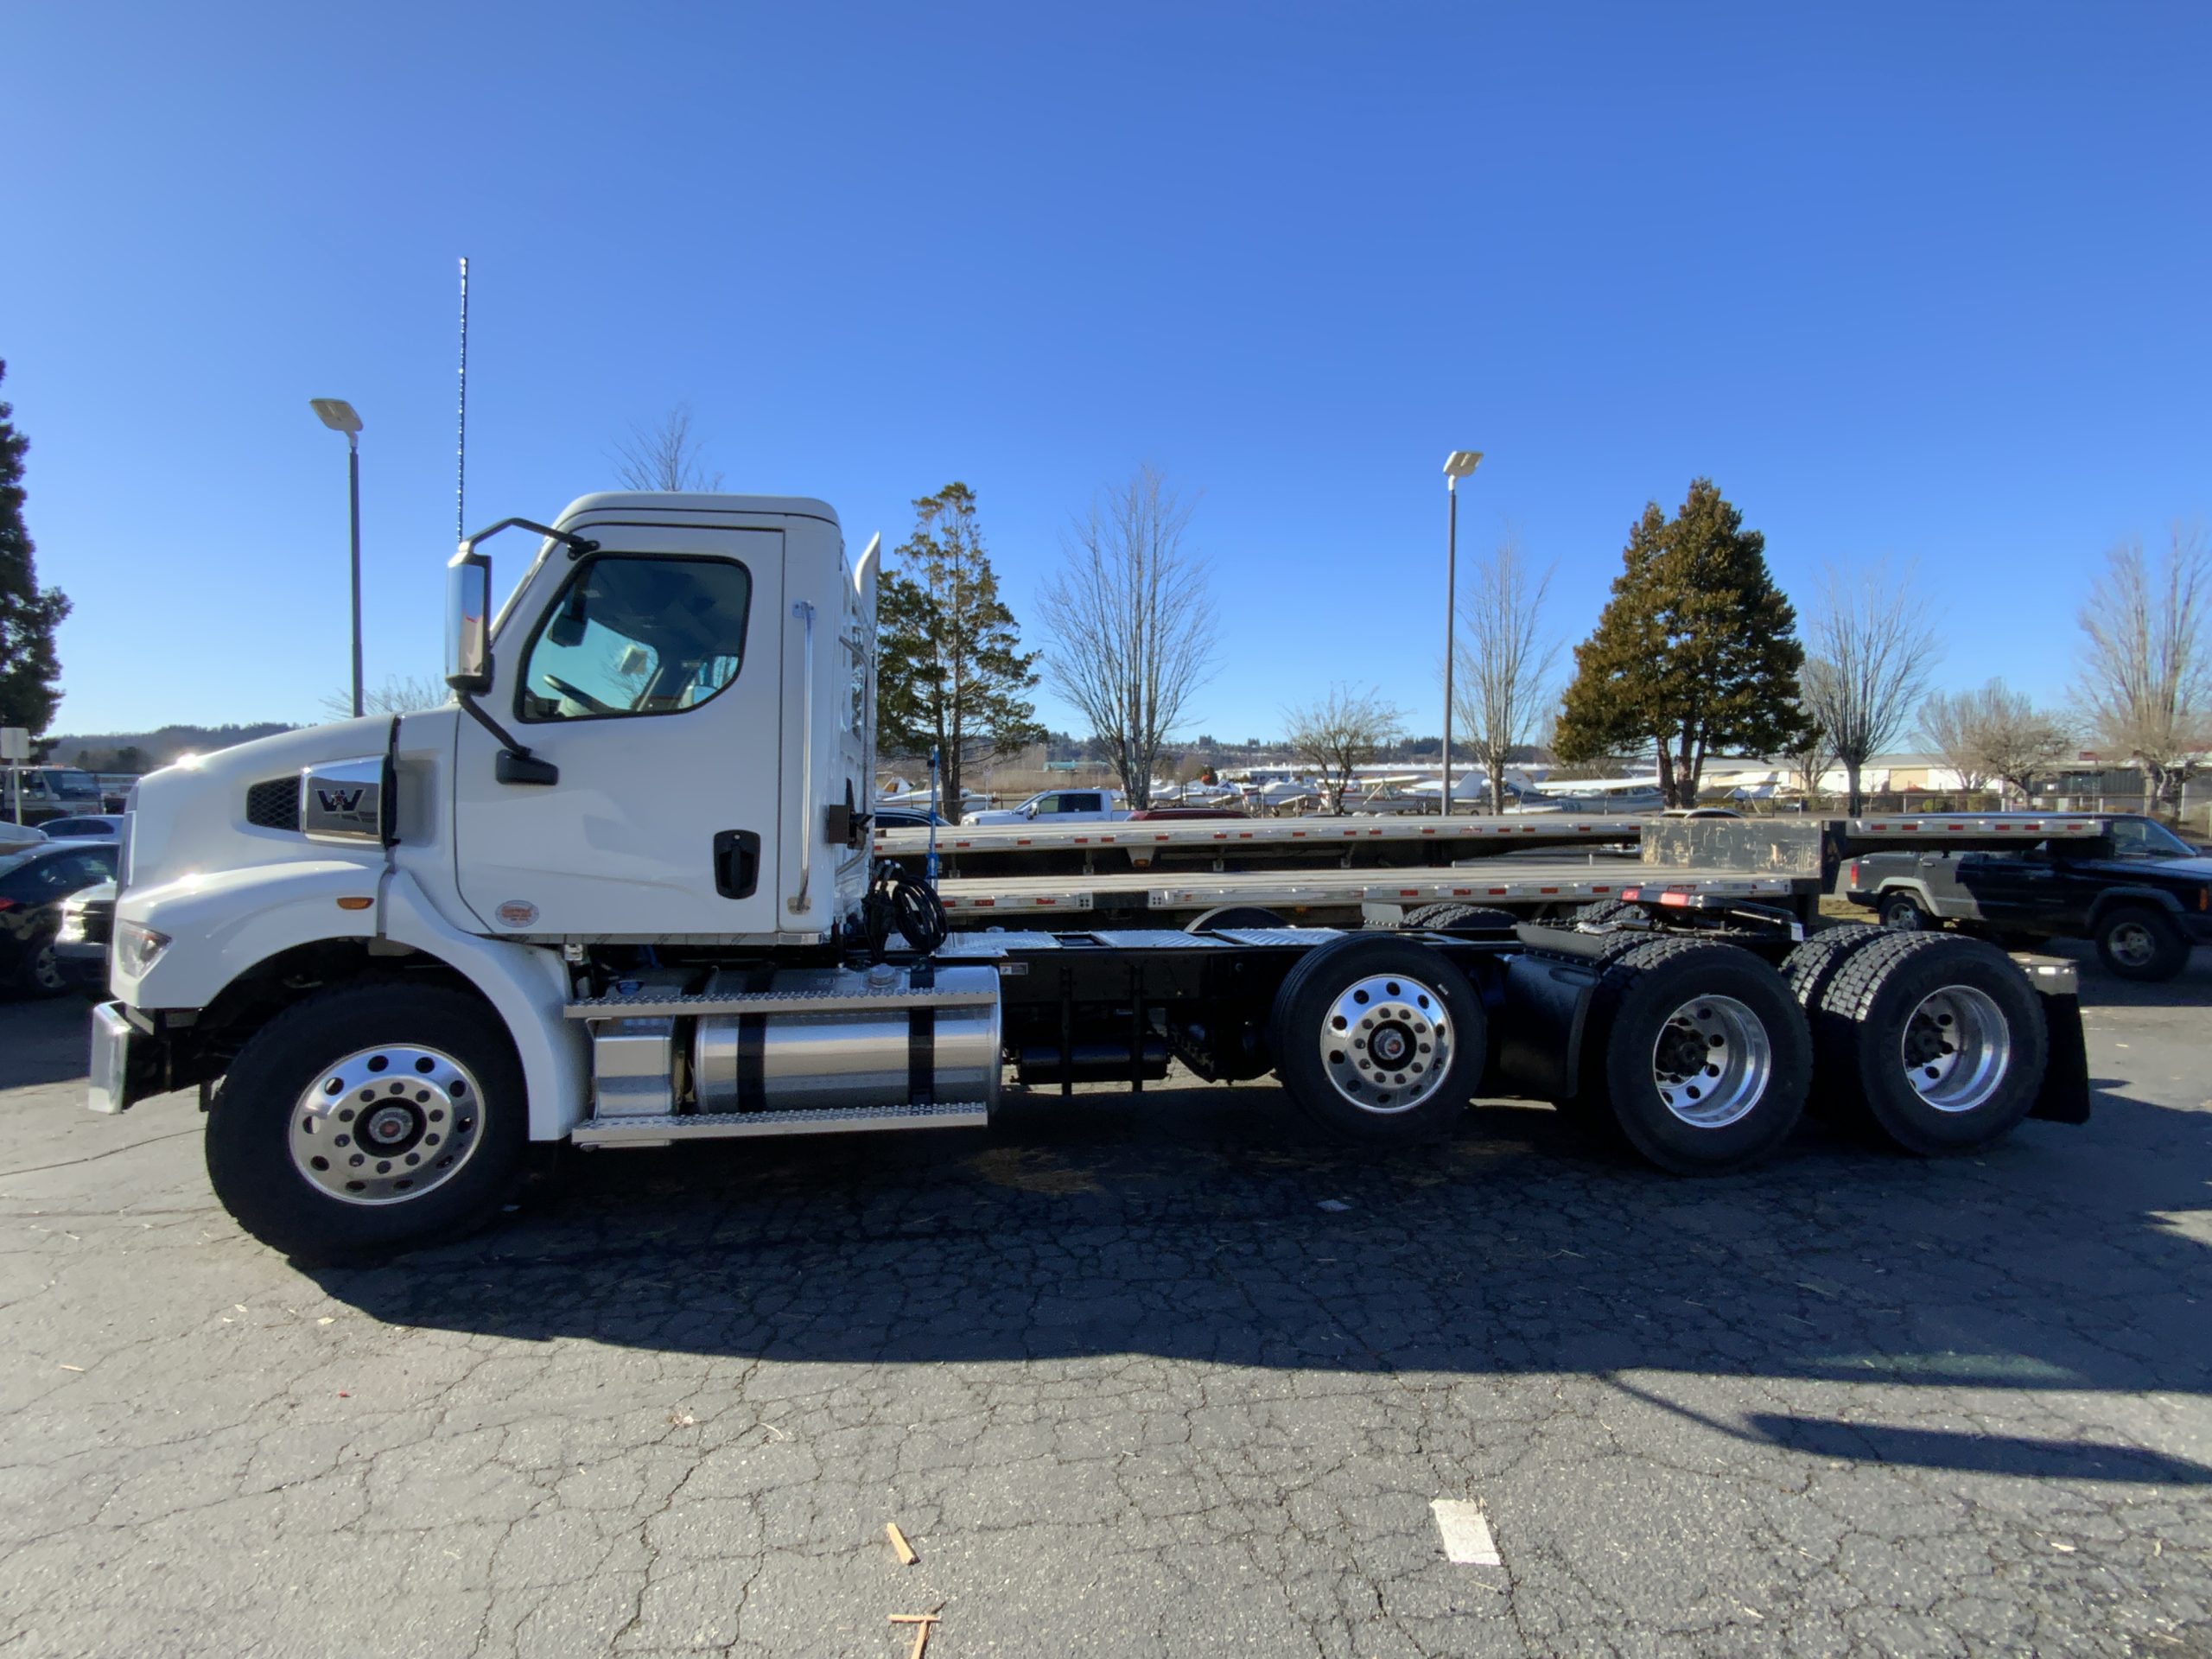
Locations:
column 145, row 751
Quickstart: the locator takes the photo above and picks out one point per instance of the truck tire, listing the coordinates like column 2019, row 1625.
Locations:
column 1455, row 915
column 1939, row 1039
column 2137, row 942
column 1701, row 1054
column 1379, row 1039
column 370, row 1117
column 1604, row 911
column 1899, row 910
column 1810, row 966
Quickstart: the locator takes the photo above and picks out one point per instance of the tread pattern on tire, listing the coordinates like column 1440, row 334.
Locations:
column 1452, row 913
column 1808, row 968
column 1849, row 1000
column 1604, row 910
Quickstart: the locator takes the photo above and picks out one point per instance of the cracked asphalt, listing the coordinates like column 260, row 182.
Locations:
column 1130, row 1390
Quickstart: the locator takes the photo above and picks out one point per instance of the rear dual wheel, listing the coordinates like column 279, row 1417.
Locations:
column 1936, row 1040
column 1696, row 1052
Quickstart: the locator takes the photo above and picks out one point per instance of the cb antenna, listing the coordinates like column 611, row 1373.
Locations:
column 461, row 458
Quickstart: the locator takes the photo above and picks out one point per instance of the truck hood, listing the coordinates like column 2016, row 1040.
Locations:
column 192, row 818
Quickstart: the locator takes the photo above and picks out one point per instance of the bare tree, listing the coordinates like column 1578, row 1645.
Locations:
column 2020, row 742
column 1503, row 664
column 2145, row 678
column 663, row 457
column 1951, row 724
column 400, row 694
column 1135, row 629
column 1874, row 654
column 1995, row 733
column 1811, row 755
column 1339, row 732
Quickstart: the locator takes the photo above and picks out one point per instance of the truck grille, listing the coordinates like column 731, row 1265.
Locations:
column 274, row 804
column 98, row 921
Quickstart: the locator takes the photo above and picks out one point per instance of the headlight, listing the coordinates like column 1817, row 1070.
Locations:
column 72, row 926
column 138, row 947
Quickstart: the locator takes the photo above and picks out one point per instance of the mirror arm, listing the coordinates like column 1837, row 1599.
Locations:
column 578, row 545
column 517, row 765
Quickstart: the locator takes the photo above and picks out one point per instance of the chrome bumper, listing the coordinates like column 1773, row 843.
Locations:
column 111, row 1067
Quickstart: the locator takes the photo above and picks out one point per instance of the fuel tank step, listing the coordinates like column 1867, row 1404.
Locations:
column 666, row 1130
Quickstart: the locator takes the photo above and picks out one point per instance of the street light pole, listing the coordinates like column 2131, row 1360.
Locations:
column 353, row 510
column 338, row 415
column 1458, row 465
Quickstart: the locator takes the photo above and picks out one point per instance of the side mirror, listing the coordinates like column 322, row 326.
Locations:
column 468, row 622
column 1029, row 811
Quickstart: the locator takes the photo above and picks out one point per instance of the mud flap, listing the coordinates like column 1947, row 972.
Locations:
column 2064, row 1097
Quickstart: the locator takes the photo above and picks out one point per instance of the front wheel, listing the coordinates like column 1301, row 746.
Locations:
column 368, row 1118
column 2135, row 942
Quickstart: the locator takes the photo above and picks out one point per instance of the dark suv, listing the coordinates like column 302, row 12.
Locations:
column 2142, row 894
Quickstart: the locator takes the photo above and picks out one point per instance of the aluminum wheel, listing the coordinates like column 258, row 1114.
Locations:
column 1957, row 1048
column 46, row 970
column 1386, row 1043
column 2132, row 944
column 386, row 1124
column 1711, row 1062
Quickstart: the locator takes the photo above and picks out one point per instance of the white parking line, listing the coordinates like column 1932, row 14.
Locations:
column 1466, row 1532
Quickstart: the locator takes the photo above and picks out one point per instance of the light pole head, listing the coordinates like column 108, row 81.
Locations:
column 338, row 415
column 1458, row 464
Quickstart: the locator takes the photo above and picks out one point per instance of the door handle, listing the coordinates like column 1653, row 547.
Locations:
column 737, row 863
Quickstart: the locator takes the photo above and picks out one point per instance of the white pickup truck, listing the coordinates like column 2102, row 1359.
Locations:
column 1054, row 806
column 619, row 892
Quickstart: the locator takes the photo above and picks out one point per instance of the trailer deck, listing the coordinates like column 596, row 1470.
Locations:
column 1529, row 885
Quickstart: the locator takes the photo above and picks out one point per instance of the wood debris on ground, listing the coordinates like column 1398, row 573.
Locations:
column 921, row 1622
column 899, row 1544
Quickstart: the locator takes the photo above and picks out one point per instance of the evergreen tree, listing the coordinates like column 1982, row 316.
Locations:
column 29, row 666
column 1697, row 650
column 950, row 670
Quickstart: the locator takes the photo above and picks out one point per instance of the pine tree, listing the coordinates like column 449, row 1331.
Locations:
column 950, row 669
column 1697, row 650
column 29, row 666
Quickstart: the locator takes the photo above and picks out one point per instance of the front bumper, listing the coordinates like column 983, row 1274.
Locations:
column 109, row 1089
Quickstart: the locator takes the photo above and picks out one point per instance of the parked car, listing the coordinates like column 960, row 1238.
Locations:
column 33, row 885
column 81, row 947
column 2140, row 891
column 906, row 818
column 1058, row 806
column 103, row 826
column 13, row 837
column 1159, row 814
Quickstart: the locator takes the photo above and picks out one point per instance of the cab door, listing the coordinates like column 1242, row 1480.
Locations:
column 649, row 676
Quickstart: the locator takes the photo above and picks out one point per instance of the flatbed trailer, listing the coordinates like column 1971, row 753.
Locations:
column 1220, row 846
column 398, row 954
column 1532, row 886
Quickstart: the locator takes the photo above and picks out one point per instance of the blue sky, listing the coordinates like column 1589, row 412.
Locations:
column 1927, row 282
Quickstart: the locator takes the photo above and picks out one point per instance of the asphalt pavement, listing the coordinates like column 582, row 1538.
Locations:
column 1168, row 1375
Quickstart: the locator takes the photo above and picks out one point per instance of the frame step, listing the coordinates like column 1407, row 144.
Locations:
column 661, row 1131
column 864, row 1002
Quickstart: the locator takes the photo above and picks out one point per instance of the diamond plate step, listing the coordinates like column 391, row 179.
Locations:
column 721, row 1126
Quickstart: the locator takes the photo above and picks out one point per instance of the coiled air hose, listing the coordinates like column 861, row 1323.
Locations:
column 898, row 904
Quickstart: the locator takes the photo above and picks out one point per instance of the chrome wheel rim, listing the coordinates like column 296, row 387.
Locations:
column 386, row 1125
column 45, row 970
column 2132, row 944
column 1711, row 1062
column 1386, row 1044
column 1957, row 1048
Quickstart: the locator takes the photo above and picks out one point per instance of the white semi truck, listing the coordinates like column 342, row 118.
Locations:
column 620, row 893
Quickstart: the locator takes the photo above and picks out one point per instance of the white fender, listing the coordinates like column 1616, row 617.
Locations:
column 222, row 923
column 529, row 987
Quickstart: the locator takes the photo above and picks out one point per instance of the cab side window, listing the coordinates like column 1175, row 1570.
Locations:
column 637, row 634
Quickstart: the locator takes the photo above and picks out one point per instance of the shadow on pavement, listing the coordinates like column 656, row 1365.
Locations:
column 1988, row 1454
column 1189, row 1223
column 46, row 1040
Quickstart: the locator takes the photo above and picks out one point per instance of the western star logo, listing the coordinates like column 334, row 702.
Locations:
column 341, row 800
